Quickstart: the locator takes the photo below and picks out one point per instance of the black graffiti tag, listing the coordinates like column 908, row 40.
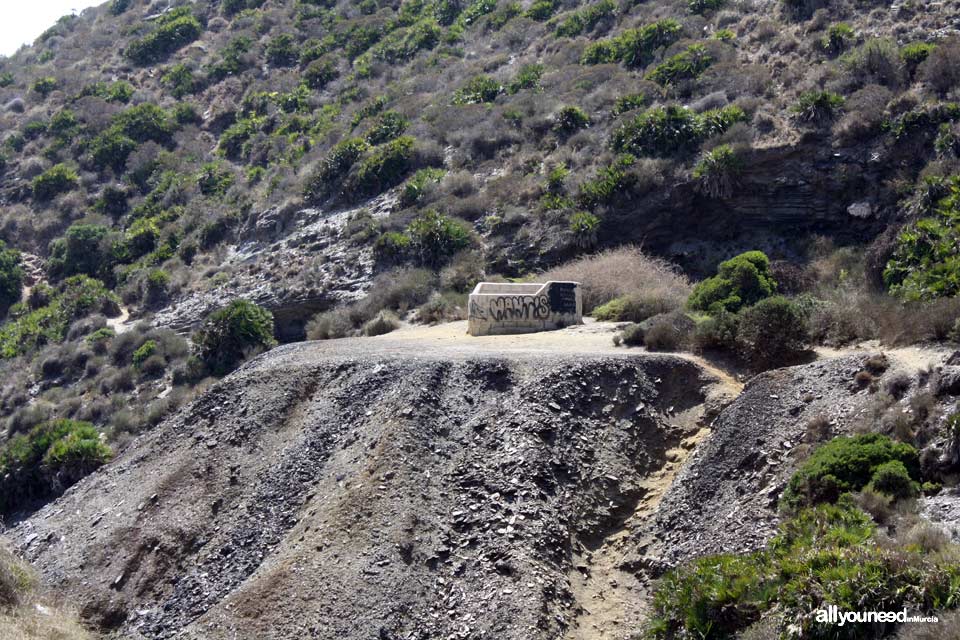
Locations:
column 520, row 308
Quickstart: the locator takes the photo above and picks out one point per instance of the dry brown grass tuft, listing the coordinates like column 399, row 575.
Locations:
column 625, row 271
column 26, row 616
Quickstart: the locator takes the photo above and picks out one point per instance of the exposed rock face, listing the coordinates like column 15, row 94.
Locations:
column 339, row 494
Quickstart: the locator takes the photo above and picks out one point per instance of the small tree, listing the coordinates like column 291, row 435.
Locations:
column 232, row 334
column 740, row 281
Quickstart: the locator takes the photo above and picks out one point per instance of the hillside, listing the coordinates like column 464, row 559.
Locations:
column 757, row 188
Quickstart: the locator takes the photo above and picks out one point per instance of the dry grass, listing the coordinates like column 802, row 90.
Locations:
column 24, row 615
column 625, row 271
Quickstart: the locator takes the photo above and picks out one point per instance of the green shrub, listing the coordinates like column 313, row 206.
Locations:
column 179, row 80
column 632, row 308
column 584, row 226
column 233, row 141
column 392, row 247
column 334, row 168
column 570, row 120
column 584, row 20
column 634, row 47
column 434, row 238
column 893, row 479
column 528, row 77
column 147, row 349
column 914, row 53
column 478, row 90
column 414, row 188
column 11, row 276
column 717, row 332
column 609, row 182
column 772, row 333
column 145, row 122
column 232, row 334
column 319, row 73
column 46, row 461
column 44, row 86
column 838, row 38
column 111, row 149
column 173, row 30
column 629, row 102
column 925, row 263
column 724, row 35
column 664, row 131
column 700, row 7
column 846, row 464
column 56, row 180
column 384, row 167
column 214, row 179
column 6, row 79
column 718, row 172
column 686, row 65
column 389, row 125
column 740, row 281
column 282, row 51
column 817, row 106
column 822, row 556
column 542, row 10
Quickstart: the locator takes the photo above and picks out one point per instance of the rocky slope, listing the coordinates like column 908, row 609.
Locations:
column 405, row 487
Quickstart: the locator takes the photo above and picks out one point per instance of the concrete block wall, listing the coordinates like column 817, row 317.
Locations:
column 502, row 308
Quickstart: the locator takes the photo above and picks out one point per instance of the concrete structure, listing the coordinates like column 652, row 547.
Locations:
column 498, row 308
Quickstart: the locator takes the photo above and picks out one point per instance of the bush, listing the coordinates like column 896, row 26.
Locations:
column 718, row 172
column 740, row 281
column 633, row 47
column 584, row 227
column 478, row 90
column 319, row 73
column 772, row 333
column 384, row 167
column 56, row 180
column 146, row 350
column 45, row 86
column 817, row 106
column 383, row 323
column 584, row 20
column 11, row 276
column 686, row 65
column 665, row 131
column 632, row 336
column 822, row 556
column 174, row 30
column 939, row 68
column 47, row 460
column 570, row 120
column 893, row 479
column 717, row 332
column 701, row 7
column 667, row 331
column 434, row 238
column 282, row 51
column 415, row 187
column 633, row 308
column 838, row 38
column 625, row 271
column 232, row 334
column 330, row 325
column 846, row 464
column 388, row 126
column 334, row 168
column 925, row 263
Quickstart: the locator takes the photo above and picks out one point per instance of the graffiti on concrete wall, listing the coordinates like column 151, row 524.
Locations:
column 523, row 307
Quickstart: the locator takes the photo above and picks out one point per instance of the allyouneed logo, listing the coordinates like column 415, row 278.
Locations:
column 832, row 614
